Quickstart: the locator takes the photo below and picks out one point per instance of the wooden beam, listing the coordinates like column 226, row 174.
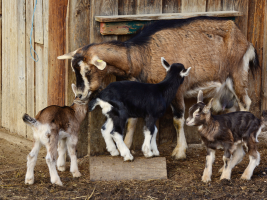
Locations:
column 165, row 16
column 56, row 45
column 264, row 63
column 106, row 168
column 193, row 6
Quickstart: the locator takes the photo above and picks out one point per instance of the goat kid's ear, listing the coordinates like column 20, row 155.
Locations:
column 74, row 89
column 67, row 55
column 186, row 73
column 165, row 64
column 207, row 108
column 100, row 64
column 200, row 96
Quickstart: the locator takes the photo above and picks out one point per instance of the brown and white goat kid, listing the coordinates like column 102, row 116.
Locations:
column 231, row 132
column 217, row 51
column 57, row 128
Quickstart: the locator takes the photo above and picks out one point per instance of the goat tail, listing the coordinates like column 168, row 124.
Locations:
column 29, row 120
column 92, row 104
column 254, row 65
column 264, row 118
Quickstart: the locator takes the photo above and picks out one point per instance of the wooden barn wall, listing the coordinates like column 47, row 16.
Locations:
column 24, row 82
column 251, row 24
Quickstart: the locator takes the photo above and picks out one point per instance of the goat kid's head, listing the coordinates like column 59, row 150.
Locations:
column 175, row 67
column 89, row 69
column 199, row 113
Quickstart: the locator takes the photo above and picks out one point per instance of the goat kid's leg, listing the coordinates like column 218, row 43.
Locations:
column 206, row 177
column 31, row 162
column 154, row 147
column 146, row 147
column 128, row 140
column 61, row 160
column 254, row 160
column 71, row 145
column 106, row 130
column 180, row 150
column 124, row 151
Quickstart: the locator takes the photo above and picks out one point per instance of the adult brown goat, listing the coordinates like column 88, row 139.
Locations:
column 217, row 51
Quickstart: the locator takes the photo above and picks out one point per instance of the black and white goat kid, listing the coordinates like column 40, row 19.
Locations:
column 231, row 132
column 127, row 99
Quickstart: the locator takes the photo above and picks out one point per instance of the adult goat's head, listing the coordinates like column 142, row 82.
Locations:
column 89, row 70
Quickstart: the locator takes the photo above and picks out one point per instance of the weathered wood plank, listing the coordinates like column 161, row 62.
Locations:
column 107, row 168
column 228, row 5
column 21, row 67
column 242, row 21
column 56, row 45
column 30, row 99
column 264, row 63
column 4, row 66
column 171, row 6
column 193, row 6
column 78, row 16
column 255, row 34
column 96, row 118
column 166, row 16
column 126, row 7
column 214, row 5
column 1, row 61
column 41, row 77
column 149, row 7
column 13, row 41
column 38, row 22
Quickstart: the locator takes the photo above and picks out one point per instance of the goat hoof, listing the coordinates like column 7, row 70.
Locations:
column 245, row 178
column 58, row 182
column 76, row 174
column 148, row 154
column 179, row 154
column 206, row 179
column 29, row 181
column 61, row 168
column 128, row 158
column 155, row 152
column 115, row 153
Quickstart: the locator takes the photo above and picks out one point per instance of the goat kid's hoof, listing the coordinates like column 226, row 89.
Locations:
column 245, row 178
column 61, row 168
column 115, row 153
column 58, row 182
column 179, row 154
column 76, row 174
column 223, row 176
column 128, row 158
column 206, row 179
column 29, row 181
column 155, row 152
column 148, row 154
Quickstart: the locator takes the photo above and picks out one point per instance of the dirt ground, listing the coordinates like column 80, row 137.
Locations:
column 184, row 178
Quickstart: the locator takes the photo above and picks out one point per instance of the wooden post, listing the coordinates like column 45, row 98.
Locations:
column 264, row 63
column 77, row 29
column 56, row 47
column 96, row 119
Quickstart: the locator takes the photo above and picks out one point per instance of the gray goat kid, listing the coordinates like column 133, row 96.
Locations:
column 57, row 128
column 231, row 132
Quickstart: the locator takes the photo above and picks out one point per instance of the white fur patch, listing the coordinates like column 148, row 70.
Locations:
column 106, row 107
column 154, row 147
column 208, row 168
column 249, row 55
column 209, row 88
column 258, row 133
column 84, row 67
column 251, row 166
column 125, row 152
column 146, row 147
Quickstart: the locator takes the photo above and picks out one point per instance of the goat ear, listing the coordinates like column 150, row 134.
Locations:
column 207, row 108
column 74, row 88
column 67, row 55
column 100, row 64
column 186, row 73
column 165, row 64
column 200, row 96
